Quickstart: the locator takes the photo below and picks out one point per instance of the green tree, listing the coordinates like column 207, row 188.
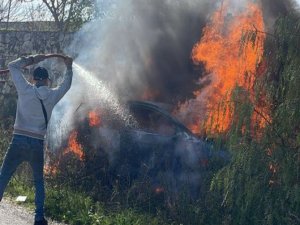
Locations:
column 262, row 184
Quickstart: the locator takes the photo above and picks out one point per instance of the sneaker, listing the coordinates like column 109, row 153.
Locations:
column 41, row 222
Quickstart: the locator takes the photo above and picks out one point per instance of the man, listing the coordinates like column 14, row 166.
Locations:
column 34, row 107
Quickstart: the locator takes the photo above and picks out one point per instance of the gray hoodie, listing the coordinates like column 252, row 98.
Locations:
column 30, row 119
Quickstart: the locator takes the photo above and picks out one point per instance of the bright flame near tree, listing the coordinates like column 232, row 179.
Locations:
column 231, row 49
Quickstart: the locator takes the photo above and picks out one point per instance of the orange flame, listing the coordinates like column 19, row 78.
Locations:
column 231, row 49
column 74, row 146
column 94, row 119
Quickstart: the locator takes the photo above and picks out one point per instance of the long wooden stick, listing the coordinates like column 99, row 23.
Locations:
column 3, row 72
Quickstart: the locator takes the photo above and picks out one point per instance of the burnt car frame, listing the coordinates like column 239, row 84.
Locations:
column 160, row 148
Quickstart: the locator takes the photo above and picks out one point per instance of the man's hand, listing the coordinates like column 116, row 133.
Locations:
column 68, row 61
column 38, row 58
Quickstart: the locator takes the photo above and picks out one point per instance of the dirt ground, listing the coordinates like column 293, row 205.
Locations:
column 12, row 213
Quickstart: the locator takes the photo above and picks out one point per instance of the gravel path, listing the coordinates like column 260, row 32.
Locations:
column 13, row 214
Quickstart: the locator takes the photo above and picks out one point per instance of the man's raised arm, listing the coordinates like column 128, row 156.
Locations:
column 62, row 89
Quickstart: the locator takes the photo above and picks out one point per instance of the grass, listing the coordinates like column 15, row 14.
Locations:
column 67, row 205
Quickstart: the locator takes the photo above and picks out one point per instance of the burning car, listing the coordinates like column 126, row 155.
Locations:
column 157, row 147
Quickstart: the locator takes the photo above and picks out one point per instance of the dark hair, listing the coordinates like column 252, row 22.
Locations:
column 40, row 73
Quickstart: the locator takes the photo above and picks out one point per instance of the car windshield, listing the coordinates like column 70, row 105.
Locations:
column 153, row 122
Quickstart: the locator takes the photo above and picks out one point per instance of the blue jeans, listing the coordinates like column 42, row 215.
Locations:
column 28, row 149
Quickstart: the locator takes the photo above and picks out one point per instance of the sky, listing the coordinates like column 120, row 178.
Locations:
column 44, row 14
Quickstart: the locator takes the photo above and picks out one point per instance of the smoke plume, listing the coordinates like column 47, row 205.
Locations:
column 141, row 50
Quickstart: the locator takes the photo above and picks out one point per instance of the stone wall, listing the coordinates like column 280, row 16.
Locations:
column 14, row 44
column 17, row 43
column 29, row 26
